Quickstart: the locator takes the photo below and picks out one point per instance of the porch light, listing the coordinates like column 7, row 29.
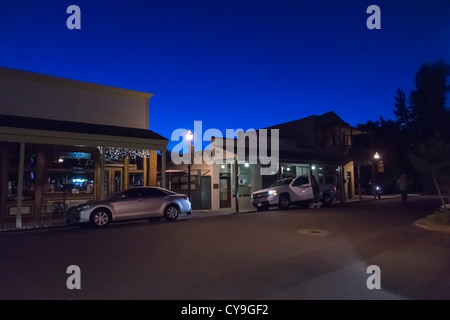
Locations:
column 189, row 136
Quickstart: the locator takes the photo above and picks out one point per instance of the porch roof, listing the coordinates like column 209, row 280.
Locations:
column 36, row 130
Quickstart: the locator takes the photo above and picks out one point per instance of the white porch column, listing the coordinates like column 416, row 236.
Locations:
column 102, row 172
column 163, row 168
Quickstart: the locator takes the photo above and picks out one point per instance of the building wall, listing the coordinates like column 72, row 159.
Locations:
column 215, row 192
column 40, row 96
column 349, row 185
column 153, row 164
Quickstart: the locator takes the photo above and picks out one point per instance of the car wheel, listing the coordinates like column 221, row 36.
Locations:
column 284, row 203
column 100, row 218
column 172, row 212
column 327, row 200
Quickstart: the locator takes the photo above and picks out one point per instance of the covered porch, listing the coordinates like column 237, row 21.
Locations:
column 49, row 165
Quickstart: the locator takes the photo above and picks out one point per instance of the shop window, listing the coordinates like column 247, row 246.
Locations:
column 244, row 180
column 69, row 182
column 136, row 180
column 67, row 160
column 68, row 170
column 29, row 176
column 288, row 171
column 136, row 163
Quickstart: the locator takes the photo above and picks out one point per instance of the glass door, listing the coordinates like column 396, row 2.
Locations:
column 113, row 180
column 225, row 191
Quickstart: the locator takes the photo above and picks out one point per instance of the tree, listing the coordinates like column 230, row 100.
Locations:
column 433, row 157
column 402, row 111
column 427, row 101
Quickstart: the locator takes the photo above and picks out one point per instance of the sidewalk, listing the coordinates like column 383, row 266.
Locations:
column 60, row 223
column 219, row 212
column 37, row 225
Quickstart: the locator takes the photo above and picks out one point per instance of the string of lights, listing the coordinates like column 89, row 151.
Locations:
column 120, row 153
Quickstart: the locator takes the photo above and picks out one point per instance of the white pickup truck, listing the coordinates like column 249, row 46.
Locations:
column 289, row 191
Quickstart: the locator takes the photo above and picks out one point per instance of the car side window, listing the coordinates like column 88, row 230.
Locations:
column 151, row 193
column 300, row 181
column 130, row 194
column 305, row 180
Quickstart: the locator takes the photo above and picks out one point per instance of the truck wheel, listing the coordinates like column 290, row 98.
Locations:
column 326, row 199
column 284, row 203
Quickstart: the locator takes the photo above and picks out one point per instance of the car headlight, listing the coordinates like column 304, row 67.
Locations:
column 84, row 207
column 272, row 193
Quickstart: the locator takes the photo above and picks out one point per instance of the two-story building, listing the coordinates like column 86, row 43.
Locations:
column 320, row 145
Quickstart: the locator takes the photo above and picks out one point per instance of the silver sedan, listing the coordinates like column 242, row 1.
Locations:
column 131, row 204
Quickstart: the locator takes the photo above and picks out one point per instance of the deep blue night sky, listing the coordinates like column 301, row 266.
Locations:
column 233, row 64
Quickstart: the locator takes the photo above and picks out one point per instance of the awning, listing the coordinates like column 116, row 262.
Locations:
column 35, row 130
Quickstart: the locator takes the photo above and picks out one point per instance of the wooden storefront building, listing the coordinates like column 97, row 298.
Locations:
column 65, row 142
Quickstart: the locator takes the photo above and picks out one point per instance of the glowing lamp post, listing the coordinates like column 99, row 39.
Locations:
column 376, row 157
column 189, row 138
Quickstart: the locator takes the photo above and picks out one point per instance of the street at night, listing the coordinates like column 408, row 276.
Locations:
column 273, row 255
column 224, row 158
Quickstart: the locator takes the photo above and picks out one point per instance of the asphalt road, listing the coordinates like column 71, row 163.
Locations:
column 276, row 255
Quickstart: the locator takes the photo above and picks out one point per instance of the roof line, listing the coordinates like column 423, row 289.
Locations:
column 33, row 76
column 75, row 127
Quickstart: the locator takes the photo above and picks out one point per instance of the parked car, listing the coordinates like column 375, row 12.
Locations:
column 289, row 191
column 131, row 204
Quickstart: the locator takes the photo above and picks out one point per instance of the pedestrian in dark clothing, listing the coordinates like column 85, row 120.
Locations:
column 316, row 192
column 402, row 187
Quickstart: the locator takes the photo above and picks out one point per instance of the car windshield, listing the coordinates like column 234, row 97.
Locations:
column 283, row 182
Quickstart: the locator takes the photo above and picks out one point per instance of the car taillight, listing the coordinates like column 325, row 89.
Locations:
column 185, row 197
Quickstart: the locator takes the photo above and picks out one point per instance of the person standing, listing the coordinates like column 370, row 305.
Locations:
column 316, row 192
column 402, row 187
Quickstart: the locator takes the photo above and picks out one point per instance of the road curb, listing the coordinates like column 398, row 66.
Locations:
column 425, row 223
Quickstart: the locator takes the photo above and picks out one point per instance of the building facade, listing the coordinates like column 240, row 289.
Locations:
column 65, row 142
column 319, row 145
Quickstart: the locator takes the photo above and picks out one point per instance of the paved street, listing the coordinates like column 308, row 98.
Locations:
column 277, row 255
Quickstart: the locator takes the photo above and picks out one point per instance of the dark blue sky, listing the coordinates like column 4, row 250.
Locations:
column 233, row 64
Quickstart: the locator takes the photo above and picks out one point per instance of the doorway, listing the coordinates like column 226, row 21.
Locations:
column 225, row 190
column 113, row 180
column 349, row 185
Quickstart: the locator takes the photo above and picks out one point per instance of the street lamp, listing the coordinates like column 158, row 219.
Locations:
column 376, row 157
column 189, row 138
